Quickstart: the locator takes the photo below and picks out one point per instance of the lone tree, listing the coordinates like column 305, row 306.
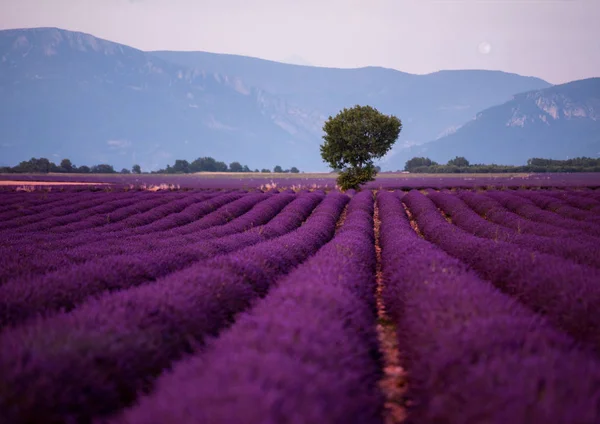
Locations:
column 353, row 139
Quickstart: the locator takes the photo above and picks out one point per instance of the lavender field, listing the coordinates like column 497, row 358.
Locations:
column 324, row 181
column 132, row 306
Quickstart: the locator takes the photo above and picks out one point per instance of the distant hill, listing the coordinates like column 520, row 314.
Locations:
column 430, row 106
column 559, row 122
column 69, row 94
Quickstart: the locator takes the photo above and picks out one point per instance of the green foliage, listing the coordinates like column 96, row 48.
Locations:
column 277, row 169
column 265, row 170
column 103, row 168
column 459, row 161
column 34, row 165
column 125, row 171
column 354, row 138
column 181, row 166
column 235, row 167
column 294, row 170
column 580, row 164
column 417, row 162
column 136, row 169
column 66, row 165
column 354, row 177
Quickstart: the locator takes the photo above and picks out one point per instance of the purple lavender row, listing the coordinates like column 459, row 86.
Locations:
column 202, row 230
column 154, row 214
column 75, row 204
column 69, row 286
column 95, row 360
column 156, row 207
column 579, row 200
column 137, row 209
column 472, row 353
column 108, row 230
column 559, row 207
column 167, row 241
column 217, row 212
column 572, row 199
column 493, row 211
column 103, row 208
column 95, row 222
column 37, row 200
column 63, row 212
column 308, row 350
column 467, row 219
column 33, row 263
column 529, row 210
column 588, row 193
column 13, row 205
column 181, row 221
column 565, row 292
column 16, row 237
column 36, row 206
column 40, row 256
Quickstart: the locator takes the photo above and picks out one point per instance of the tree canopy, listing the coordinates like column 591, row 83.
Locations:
column 417, row 162
column 459, row 161
column 354, row 138
column 235, row 167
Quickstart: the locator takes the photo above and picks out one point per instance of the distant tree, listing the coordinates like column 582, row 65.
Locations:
column 286, row 171
column 221, row 166
column 459, row 161
column 136, row 169
column 83, row 169
column 294, row 170
column 125, row 171
column 277, row 169
column 67, row 166
column 265, row 170
column 235, row 167
column 256, row 170
column 204, row 164
column 354, row 138
column 42, row 165
column 417, row 162
column 181, row 166
column 378, row 169
column 55, row 168
column 103, row 169
column 246, row 169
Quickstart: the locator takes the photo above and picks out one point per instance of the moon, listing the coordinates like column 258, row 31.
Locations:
column 485, row 47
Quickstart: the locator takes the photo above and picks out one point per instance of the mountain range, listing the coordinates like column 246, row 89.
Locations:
column 559, row 122
column 70, row 94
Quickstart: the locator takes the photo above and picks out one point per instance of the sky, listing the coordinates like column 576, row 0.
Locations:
column 557, row 40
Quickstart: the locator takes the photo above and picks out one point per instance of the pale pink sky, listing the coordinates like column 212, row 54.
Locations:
column 553, row 39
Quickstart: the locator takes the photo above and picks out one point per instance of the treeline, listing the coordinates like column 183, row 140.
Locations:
column 205, row 164
column 460, row 165
column 208, row 164
column 43, row 165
